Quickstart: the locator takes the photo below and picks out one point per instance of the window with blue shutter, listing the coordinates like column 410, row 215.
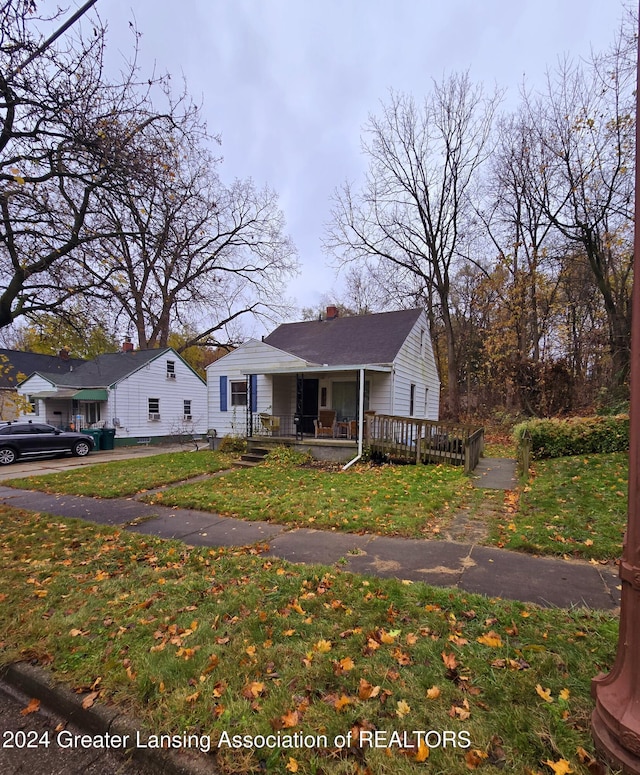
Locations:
column 223, row 394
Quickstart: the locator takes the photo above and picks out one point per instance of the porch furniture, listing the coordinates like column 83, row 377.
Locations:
column 342, row 430
column 325, row 425
column 270, row 424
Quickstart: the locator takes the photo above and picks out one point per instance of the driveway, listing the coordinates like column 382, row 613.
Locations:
column 51, row 464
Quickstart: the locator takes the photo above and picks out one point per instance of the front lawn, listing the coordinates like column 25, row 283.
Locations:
column 389, row 500
column 573, row 505
column 127, row 477
column 217, row 643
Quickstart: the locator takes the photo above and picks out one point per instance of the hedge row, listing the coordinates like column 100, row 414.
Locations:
column 576, row 436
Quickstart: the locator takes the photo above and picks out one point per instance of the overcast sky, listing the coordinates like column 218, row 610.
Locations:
column 289, row 84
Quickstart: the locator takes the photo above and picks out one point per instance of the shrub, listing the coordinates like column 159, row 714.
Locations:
column 576, row 436
column 288, row 456
column 233, row 445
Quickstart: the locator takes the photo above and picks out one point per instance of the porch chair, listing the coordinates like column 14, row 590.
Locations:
column 325, row 425
column 270, row 424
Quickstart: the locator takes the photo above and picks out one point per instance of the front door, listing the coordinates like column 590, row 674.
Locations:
column 310, row 392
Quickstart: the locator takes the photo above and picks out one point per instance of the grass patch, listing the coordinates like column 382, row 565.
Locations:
column 127, row 477
column 573, row 505
column 500, row 445
column 208, row 642
column 389, row 500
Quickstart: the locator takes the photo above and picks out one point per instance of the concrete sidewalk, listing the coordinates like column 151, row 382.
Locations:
column 464, row 566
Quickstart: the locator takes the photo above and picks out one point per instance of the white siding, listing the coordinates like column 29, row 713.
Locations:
column 252, row 357
column 128, row 404
column 380, row 391
column 415, row 365
column 38, row 384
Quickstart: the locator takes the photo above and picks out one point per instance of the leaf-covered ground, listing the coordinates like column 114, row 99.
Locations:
column 574, row 506
column 224, row 642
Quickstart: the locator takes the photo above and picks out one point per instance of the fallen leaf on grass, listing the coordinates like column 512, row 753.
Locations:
column 491, row 639
column 561, row 767
column 401, row 657
column 512, row 664
column 433, row 693
column 544, row 693
column 449, row 660
column 423, row 752
column 474, row 758
column 367, row 691
column 593, row 765
column 253, row 690
column 402, row 709
column 75, row 633
column 342, row 702
column 343, row 666
column 290, row 719
column 463, row 712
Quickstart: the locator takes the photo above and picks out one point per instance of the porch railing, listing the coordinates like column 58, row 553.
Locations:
column 286, row 426
column 410, row 440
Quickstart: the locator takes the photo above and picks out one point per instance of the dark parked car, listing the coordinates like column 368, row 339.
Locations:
column 37, row 438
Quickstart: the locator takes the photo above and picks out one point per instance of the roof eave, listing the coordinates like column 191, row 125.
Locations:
column 325, row 368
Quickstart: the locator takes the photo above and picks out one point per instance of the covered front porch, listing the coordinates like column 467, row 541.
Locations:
column 320, row 402
column 70, row 408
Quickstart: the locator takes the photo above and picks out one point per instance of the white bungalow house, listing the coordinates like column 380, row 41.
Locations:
column 318, row 378
column 146, row 395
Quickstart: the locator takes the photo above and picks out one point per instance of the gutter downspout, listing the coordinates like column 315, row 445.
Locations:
column 360, row 423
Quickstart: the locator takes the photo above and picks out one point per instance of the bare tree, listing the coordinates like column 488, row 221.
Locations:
column 189, row 253
column 585, row 121
column 412, row 213
column 520, row 232
column 67, row 136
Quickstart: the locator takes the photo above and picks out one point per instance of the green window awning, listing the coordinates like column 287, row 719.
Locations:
column 91, row 394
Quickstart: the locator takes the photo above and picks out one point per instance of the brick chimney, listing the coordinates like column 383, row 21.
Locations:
column 64, row 354
column 127, row 345
column 332, row 313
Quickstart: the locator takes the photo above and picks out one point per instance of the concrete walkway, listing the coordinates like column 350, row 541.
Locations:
column 465, row 566
column 495, row 473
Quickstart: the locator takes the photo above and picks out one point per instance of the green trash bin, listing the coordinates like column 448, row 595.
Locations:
column 107, row 438
column 95, row 434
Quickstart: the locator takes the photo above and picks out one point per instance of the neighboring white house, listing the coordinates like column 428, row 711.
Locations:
column 15, row 365
column 143, row 394
column 301, row 369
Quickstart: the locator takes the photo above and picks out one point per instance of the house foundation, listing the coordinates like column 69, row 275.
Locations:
column 329, row 450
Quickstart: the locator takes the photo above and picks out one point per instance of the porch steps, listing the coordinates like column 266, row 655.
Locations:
column 251, row 458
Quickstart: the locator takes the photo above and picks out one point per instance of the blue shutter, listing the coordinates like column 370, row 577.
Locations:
column 254, row 392
column 223, row 394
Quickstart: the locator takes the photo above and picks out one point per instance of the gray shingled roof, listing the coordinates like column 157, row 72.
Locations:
column 105, row 370
column 350, row 340
column 25, row 363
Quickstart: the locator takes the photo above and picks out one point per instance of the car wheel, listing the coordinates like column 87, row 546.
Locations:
column 81, row 448
column 7, row 456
